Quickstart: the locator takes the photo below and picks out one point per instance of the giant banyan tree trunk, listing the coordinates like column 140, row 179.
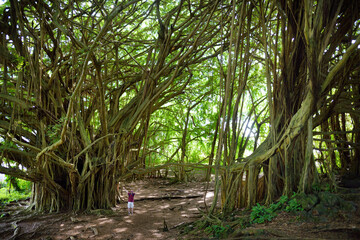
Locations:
column 80, row 82
column 319, row 52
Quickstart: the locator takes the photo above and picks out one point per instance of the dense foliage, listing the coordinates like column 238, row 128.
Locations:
column 13, row 189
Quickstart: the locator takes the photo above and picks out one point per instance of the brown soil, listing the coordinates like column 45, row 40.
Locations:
column 288, row 226
column 156, row 202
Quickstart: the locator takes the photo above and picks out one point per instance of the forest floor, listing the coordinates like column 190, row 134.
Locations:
column 164, row 210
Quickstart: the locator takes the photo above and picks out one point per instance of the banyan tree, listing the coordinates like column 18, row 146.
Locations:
column 86, row 88
column 79, row 83
column 310, row 56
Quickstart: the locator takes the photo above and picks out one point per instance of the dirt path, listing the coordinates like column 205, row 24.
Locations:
column 177, row 204
column 155, row 202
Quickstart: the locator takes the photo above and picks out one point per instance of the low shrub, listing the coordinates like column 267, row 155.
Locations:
column 261, row 214
column 293, row 206
column 219, row 231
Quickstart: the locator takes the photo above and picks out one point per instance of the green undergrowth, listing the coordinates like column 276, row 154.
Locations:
column 9, row 193
column 219, row 231
column 261, row 214
column 323, row 206
column 6, row 196
column 221, row 227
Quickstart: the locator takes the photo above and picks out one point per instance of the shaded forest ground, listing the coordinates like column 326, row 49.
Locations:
column 176, row 203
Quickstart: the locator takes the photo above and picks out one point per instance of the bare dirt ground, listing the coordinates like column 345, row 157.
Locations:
column 157, row 201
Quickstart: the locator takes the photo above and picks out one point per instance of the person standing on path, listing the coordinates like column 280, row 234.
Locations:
column 131, row 196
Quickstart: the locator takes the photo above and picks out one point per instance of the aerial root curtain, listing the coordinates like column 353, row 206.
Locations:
column 310, row 34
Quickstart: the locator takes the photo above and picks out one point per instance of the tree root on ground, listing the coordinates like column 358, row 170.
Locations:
column 168, row 198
